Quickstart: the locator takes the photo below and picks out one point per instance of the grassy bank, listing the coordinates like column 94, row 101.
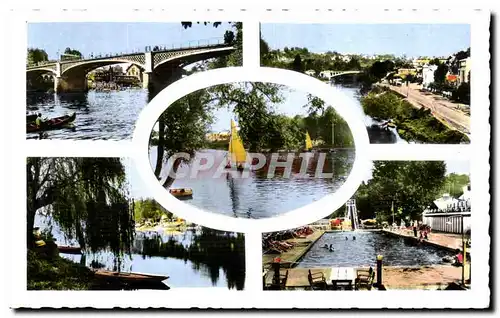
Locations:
column 52, row 272
column 413, row 124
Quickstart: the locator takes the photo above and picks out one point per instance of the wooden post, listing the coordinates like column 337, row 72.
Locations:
column 276, row 267
column 379, row 270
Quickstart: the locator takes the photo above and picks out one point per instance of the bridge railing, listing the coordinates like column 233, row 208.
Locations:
column 149, row 48
column 161, row 47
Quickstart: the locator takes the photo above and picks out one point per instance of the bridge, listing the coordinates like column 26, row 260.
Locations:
column 159, row 67
column 331, row 74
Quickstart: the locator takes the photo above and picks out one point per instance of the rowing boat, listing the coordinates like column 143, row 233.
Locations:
column 132, row 280
column 54, row 123
column 69, row 250
column 181, row 192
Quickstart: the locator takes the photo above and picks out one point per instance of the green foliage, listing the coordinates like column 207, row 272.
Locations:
column 380, row 69
column 149, row 209
column 252, row 103
column 37, row 55
column 56, row 273
column 462, row 93
column 413, row 124
column 410, row 185
column 454, row 184
column 297, row 64
column 440, row 73
column 70, row 54
column 86, row 197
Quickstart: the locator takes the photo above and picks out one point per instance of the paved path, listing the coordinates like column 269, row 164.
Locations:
column 442, row 108
column 393, row 277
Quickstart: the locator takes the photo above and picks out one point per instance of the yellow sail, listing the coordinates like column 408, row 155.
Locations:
column 236, row 149
column 309, row 144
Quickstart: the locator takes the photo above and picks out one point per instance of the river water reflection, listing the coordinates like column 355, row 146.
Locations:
column 197, row 257
column 99, row 115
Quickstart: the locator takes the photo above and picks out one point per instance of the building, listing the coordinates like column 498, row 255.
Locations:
column 464, row 66
column 428, row 74
column 218, row 136
column 134, row 70
column 310, row 72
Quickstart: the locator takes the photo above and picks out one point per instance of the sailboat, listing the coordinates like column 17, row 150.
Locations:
column 236, row 154
column 308, row 142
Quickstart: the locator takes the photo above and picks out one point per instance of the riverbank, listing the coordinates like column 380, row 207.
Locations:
column 49, row 271
column 414, row 123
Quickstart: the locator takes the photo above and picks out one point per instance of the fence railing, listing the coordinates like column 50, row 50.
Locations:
column 149, row 48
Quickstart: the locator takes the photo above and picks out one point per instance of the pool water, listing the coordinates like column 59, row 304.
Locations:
column 363, row 251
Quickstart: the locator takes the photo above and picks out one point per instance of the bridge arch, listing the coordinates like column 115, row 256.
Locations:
column 40, row 71
column 88, row 66
column 191, row 57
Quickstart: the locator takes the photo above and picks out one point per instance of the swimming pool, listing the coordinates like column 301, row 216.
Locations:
column 363, row 250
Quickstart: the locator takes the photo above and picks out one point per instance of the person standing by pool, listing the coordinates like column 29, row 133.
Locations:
column 414, row 230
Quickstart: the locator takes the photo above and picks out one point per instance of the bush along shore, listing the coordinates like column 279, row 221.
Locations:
column 413, row 124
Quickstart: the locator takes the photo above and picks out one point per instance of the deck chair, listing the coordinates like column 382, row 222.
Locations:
column 281, row 284
column 317, row 281
column 364, row 279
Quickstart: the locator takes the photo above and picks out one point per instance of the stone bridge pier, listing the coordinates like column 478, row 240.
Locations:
column 75, row 84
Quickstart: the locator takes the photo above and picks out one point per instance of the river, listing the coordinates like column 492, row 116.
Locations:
column 258, row 196
column 99, row 115
column 193, row 258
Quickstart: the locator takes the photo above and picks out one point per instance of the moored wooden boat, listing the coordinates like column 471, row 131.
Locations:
column 69, row 249
column 181, row 192
column 132, row 280
column 30, row 118
column 54, row 123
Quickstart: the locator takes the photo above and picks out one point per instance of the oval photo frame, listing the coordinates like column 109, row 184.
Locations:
column 298, row 217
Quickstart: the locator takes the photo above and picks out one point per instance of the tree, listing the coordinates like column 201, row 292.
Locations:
column 297, row 64
column 440, row 73
column 379, row 69
column 71, row 54
column 384, row 106
column 409, row 186
column 37, row 55
column 182, row 128
column 462, row 93
column 229, row 37
column 435, row 61
column 85, row 196
column 454, row 183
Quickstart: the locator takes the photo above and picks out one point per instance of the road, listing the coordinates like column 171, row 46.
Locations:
column 443, row 109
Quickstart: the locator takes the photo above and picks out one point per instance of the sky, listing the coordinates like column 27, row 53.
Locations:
column 413, row 40
column 115, row 37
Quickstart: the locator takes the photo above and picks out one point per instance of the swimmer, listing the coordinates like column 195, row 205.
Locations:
column 346, row 238
column 331, row 248
column 354, row 238
column 325, row 246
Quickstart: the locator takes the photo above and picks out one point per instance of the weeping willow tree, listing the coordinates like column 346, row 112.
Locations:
column 87, row 197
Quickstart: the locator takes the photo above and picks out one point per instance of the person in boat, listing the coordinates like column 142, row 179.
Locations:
column 325, row 246
column 38, row 120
